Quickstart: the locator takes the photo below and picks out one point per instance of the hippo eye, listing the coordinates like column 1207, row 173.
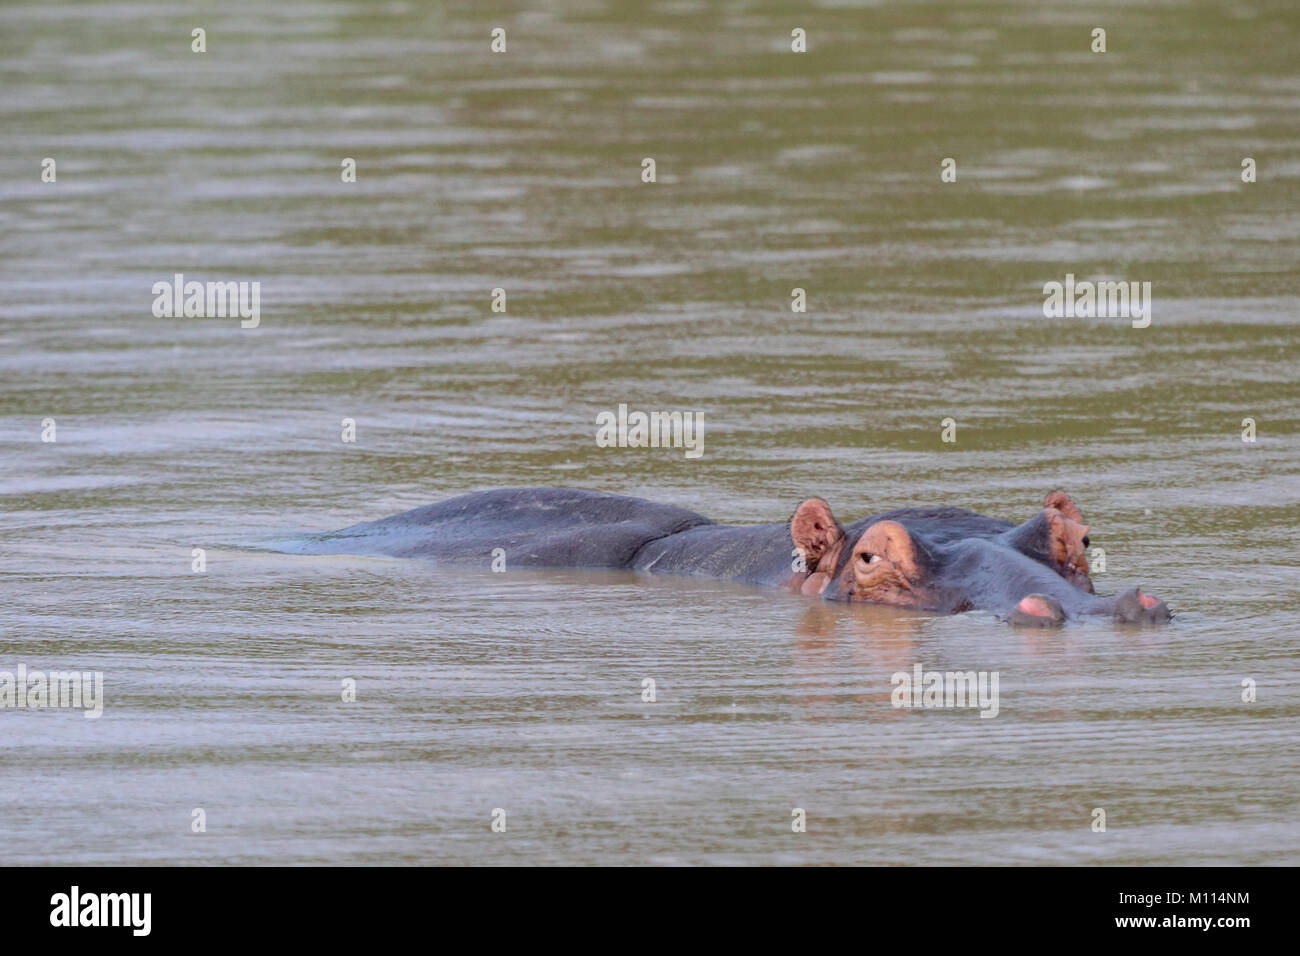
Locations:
column 1086, row 542
column 868, row 557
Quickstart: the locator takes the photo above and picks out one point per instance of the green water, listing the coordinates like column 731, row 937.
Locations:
column 522, row 171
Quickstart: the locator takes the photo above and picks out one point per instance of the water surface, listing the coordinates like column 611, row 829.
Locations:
column 522, row 171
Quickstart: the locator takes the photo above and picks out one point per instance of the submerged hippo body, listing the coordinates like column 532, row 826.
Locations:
column 536, row 527
column 940, row 559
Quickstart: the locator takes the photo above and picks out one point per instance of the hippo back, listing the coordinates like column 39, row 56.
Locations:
column 536, row 527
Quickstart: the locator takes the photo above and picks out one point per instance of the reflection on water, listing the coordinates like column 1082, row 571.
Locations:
column 521, row 171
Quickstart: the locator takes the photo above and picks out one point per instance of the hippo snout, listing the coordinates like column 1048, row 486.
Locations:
column 1134, row 607
column 1131, row 607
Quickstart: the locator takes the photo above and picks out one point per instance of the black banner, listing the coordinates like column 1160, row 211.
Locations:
column 1146, row 906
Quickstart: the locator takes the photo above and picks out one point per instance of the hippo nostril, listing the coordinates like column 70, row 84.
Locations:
column 1035, row 604
column 1133, row 607
column 1038, row 610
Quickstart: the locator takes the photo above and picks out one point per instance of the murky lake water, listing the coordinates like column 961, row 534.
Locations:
column 522, row 171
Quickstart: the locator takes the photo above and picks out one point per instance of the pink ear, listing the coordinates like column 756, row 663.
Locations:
column 815, row 531
column 1067, row 540
column 1064, row 504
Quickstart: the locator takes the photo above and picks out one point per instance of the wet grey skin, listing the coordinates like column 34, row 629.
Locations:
column 973, row 562
column 987, row 572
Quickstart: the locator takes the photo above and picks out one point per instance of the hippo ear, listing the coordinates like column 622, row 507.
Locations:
column 1064, row 504
column 815, row 532
column 1067, row 543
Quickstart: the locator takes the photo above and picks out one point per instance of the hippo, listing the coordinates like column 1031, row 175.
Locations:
column 944, row 560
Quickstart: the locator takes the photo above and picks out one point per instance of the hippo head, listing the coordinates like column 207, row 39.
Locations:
column 948, row 560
